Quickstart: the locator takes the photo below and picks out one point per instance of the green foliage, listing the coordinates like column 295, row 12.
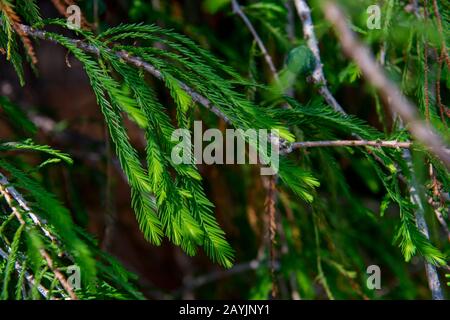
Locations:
column 300, row 60
column 327, row 198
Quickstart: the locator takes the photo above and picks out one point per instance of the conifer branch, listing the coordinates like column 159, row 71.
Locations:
column 135, row 61
column 391, row 94
column 61, row 278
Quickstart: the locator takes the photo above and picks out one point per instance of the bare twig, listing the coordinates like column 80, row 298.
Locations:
column 391, row 94
column 271, row 199
column 318, row 76
column 238, row 10
column 349, row 143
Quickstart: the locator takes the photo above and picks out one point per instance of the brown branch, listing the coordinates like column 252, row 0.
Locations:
column 58, row 275
column 389, row 91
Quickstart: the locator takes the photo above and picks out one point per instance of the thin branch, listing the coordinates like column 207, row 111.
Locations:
column 217, row 275
column 318, row 76
column 136, row 61
column 389, row 91
column 238, row 10
column 58, row 275
column 350, row 143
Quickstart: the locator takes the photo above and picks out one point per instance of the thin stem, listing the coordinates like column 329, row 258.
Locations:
column 238, row 10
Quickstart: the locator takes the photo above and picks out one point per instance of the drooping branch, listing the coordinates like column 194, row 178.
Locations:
column 135, row 61
column 388, row 90
column 318, row 76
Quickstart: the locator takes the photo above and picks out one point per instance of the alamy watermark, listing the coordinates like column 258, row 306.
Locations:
column 74, row 277
column 374, row 19
column 73, row 17
column 373, row 281
column 263, row 147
